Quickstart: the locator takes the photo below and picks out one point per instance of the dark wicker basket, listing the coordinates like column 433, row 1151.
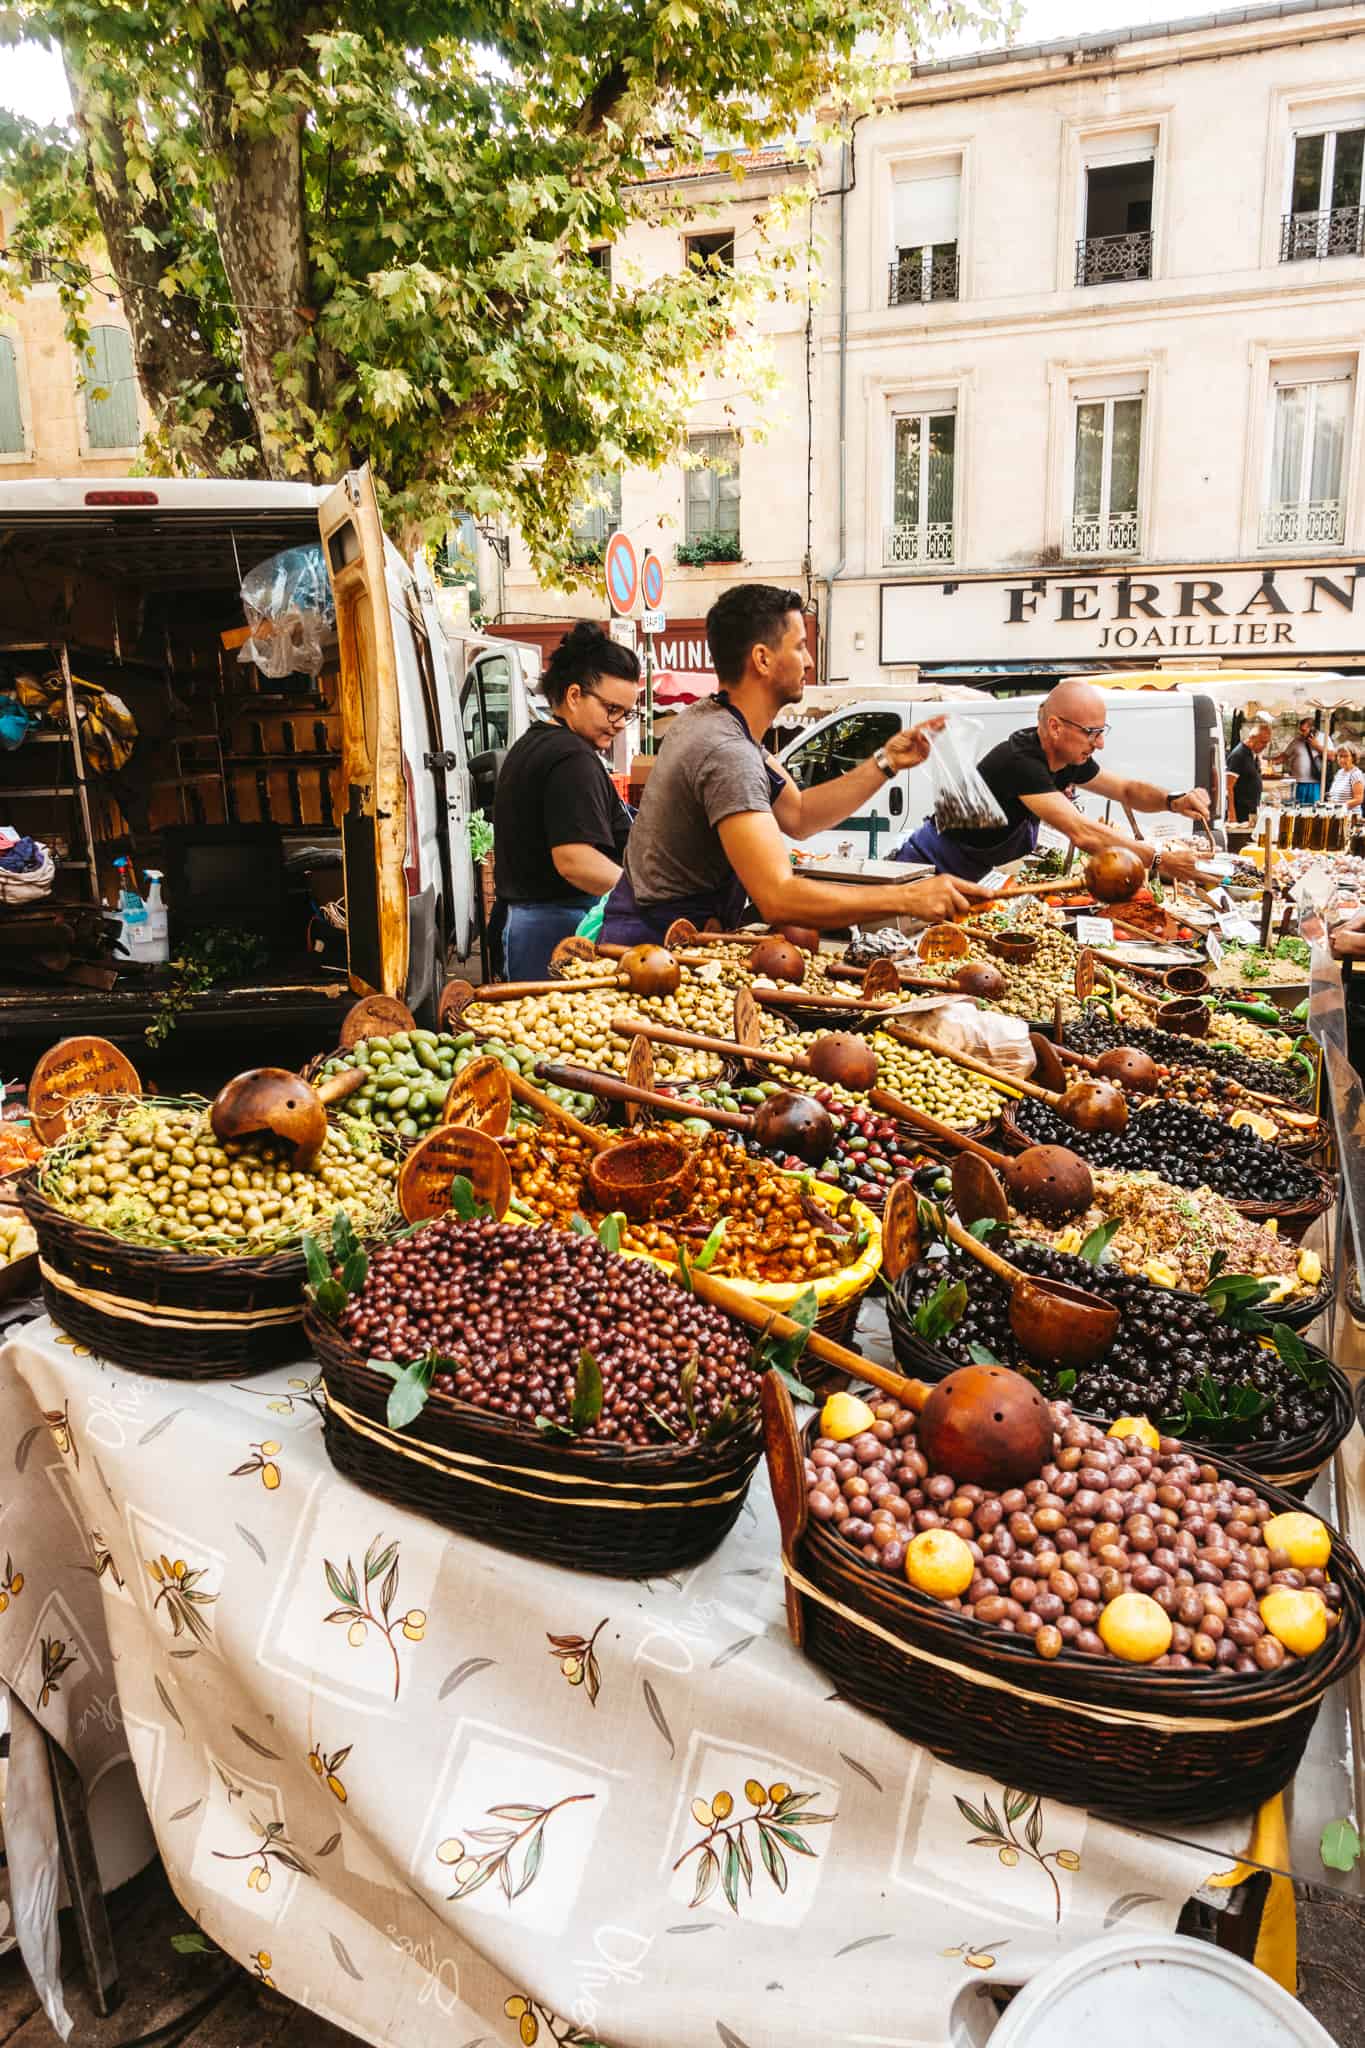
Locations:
column 591, row 1506
column 1145, row 1746
column 173, row 1314
column 1289, row 1462
column 1292, row 1217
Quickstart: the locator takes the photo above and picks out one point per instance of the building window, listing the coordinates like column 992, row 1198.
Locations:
column 841, row 746
column 922, row 489
column 712, row 525
column 1115, row 245
column 11, row 412
column 600, row 257
column 1106, row 471
column 1325, row 216
column 926, row 212
column 1309, row 426
column 111, row 420
column 711, row 252
column 597, row 519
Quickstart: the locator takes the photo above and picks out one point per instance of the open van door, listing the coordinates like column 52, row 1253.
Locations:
column 374, row 821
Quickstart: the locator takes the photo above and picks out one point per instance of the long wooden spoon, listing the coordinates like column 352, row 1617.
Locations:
column 839, row 1058
column 272, row 1099
column 1046, row 1180
column 1086, row 1105
column 786, row 1123
column 1055, row 1323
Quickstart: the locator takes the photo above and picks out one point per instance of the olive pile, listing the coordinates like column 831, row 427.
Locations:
column 1166, row 1343
column 510, row 1311
column 774, row 1233
column 1184, row 1146
column 1104, row 1517
column 576, row 1027
column 410, row 1072
column 1094, row 1034
column 932, row 1082
column 870, row 1151
column 155, row 1174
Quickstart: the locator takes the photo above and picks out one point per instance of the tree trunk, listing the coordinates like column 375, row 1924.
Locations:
column 258, row 211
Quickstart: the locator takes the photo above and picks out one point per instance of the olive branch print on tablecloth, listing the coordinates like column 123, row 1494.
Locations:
column 328, row 1768
column 183, row 1596
column 262, row 1460
column 55, row 1661
column 58, row 1421
column 273, row 1847
column 577, row 1658
column 977, row 1955
column 301, row 1393
column 530, row 2016
column 778, row 1816
column 104, row 1558
column 357, row 1611
column 1000, row 1835
column 13, row 1584
column 473, row 1871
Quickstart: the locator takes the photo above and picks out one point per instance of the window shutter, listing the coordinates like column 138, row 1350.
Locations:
column 111, row 422
column 927, row 206
column 11, row 418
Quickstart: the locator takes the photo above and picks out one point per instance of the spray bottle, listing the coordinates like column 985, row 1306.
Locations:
column 156, row 949
column 133, row 913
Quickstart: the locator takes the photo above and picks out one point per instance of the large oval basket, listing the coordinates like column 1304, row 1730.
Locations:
column 590, row 1506
column 1155, row 1746
column 174, row 1314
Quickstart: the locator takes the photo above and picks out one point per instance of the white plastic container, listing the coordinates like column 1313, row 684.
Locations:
column 154, row 948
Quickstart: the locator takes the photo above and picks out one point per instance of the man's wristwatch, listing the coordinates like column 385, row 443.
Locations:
column 884, row 762
column 1175, row 796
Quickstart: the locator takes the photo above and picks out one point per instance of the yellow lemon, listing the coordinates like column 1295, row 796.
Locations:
column 1069, row 1240
column 843, row 1416
column 1135, row 1628
column 1297, row 1617
column 1160, row 1275
column 1307, row 1540
column 1310, row 1268
column 938, row 1562
column 1138, row 1426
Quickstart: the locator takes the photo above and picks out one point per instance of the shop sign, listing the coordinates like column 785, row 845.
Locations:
column 1140, row 615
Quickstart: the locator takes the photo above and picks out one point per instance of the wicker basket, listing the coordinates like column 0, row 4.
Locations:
column 173, row 1314
column 1290, row 1462
column 590, row 1506
column 1293, row 1217
column 1146, row 1746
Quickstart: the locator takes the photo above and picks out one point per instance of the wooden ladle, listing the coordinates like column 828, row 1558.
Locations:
column 1085, row 1105
column 1125, row 1065
column 975, row 978
column 1055, row 1323
column 1050, row 1181
column 838, row 1058
column 786, row 1123
column 273, row 1099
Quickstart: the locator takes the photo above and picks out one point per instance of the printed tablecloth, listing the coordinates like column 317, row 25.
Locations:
column 426, row 1786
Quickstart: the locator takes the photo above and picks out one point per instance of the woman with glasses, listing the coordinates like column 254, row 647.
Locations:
column 1033, row 775
column 559, row 827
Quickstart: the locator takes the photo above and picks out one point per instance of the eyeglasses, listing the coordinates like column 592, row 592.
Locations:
column 612, row 712
column 1092, row 732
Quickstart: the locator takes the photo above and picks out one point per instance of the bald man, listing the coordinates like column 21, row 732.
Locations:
column 1032, row 776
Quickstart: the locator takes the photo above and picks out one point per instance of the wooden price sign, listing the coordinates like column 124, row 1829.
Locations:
column 639, row 1073
column 572, row 948
column 69, row 1069
column 480, row 1097
column 882, row 979
column 375, row 1017
column 456, row 997
column 943, row 942
column 1085, row 976
column 748, row 1021
column 425, row 1177
column 901, row 1242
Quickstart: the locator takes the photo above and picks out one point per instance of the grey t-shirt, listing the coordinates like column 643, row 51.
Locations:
column 709, row 769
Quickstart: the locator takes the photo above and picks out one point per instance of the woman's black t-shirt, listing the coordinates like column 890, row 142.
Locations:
column 554, row 790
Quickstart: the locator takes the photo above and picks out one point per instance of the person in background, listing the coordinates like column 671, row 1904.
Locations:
column 708, row 837
column 559, row 827
column 1032, row 776
column 1243, row 768
column 1302, row 761
column 1348, row 783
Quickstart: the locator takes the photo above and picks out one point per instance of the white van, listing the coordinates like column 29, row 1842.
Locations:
column 1174, row 740
column 131, row 585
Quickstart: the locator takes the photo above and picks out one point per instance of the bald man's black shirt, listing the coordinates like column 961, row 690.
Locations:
column 1018, row 768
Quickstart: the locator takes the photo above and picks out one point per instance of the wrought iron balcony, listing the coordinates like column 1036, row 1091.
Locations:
column 920, row 276
column 1114, row 259
column 1298, row 524
column 907, row 546
column 1119, row 534
column 1339, row 231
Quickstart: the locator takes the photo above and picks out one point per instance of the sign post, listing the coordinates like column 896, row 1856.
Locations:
column 654, row 621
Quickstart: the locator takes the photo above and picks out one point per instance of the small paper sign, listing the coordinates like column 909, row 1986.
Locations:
column 1213, row 946
column 1050, row 840
column 995, row 880
column 1094, row 931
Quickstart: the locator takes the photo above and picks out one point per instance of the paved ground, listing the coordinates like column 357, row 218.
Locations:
column 205, row 2001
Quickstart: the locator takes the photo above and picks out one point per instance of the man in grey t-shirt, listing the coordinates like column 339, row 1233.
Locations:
column 709, row 836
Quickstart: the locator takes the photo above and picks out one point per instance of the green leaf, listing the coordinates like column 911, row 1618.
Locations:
column 331, row 1298
column 979, row 1354
column 549, row 1426
column 798, row 1389
column 684, row 1270
column 943, row 1310
column 580, row 1225
column 1096, row 1245
column 687, row 1386
column 1340, row 1845
column 1296, row 1355
column 408, row 1396
column 984, row 1226
column 706, row 1255
column 200, row 1945
column 609, row 1231
column 587, row 1396
column 316, row 1260
column 1065, row 1381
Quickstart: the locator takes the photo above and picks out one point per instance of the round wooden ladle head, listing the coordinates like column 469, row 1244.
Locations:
column 786, row 1122
column 1124, row 1065
column 839, row 1058
column 1055, row 1323
column 1086, row 1105
column 1114, row 874
column 273, row 1099
column 986, row 1425
column 1049, row 1181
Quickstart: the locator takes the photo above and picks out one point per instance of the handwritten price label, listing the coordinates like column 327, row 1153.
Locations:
column 1094, row 931
column 70, row 1069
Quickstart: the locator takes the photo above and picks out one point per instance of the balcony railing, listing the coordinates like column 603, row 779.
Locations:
column 907, row 546
column 1114, row 259
column 922, row 275
column 1340, row 231
column 1300, row 524
column 1119, row 534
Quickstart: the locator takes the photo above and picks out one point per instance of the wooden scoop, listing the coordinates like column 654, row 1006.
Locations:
column 839, row 1058
column 1085, row 1105
column 1055, row 1323
column 1124, row 1065
column 1044, row 1180
column 273, row 1099
column 786, row 1122
column 975, row 978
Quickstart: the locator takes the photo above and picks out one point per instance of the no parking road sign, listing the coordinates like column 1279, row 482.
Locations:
column 623, row 574
column 652, row 582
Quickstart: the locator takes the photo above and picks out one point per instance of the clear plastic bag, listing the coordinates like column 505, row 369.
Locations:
column 958, row 1026
column 962, row 802
column 291, row 612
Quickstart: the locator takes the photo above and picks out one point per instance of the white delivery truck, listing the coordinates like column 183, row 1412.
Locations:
column 245, row 789
column 1174, row 739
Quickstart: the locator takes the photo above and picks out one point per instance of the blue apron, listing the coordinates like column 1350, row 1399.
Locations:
column 628, row 922
column 969, row 863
